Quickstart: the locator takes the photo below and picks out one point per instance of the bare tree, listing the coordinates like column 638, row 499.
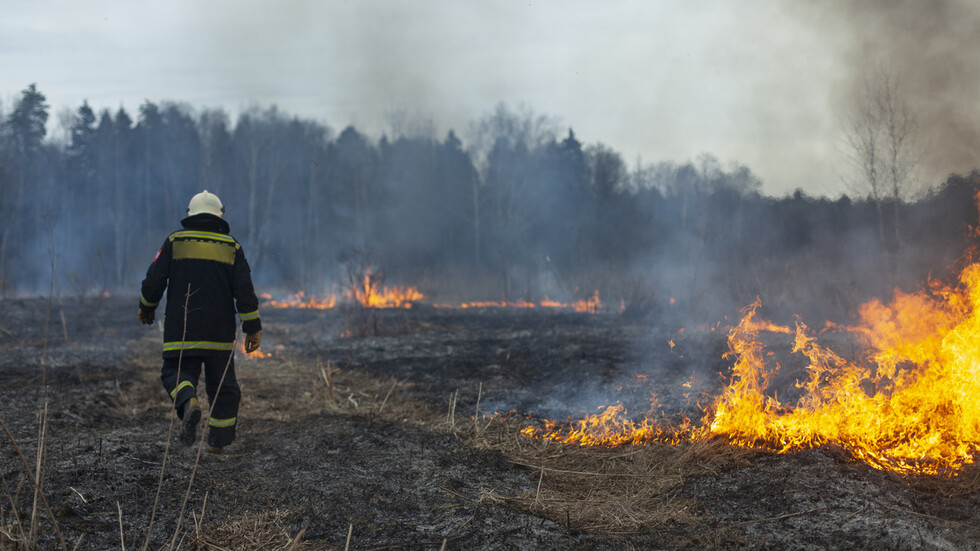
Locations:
column 900, row 145
column 880, row 139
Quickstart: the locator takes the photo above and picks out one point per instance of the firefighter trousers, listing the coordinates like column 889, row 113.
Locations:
column 180, row 378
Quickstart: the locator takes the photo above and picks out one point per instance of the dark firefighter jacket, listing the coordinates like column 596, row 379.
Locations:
column 204, row 267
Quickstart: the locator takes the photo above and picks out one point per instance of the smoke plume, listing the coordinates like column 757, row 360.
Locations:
column 929, row 49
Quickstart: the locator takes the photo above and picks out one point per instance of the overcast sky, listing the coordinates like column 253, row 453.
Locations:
column 749, row 80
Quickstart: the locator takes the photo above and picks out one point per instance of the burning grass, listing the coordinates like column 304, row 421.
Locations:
column 910, row 405
column 366, row 290
column 335, row 442
column 621, row 487
column 588, row 305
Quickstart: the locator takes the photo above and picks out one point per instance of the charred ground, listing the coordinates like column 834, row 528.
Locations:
column 375, row 435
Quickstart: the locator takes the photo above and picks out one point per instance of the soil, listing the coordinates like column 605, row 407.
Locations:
column 386, row 439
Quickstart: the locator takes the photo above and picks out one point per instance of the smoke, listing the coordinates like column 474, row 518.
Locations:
column 929, row 47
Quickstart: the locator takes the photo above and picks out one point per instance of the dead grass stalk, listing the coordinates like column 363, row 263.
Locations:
column 44, row 501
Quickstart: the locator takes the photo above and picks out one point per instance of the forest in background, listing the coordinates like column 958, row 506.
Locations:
column 521, row 209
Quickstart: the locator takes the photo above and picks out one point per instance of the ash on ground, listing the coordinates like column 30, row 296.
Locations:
column 372, row 442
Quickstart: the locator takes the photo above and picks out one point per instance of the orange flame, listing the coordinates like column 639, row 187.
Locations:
column 611, row 427
column 591, row 305
column 258, row 354
column 911, row 406
column 369, row 293
column 300, row 300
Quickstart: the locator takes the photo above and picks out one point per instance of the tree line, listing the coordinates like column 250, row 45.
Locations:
column 522, row 209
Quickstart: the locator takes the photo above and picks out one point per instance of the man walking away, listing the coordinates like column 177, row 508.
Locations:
column 207, row 280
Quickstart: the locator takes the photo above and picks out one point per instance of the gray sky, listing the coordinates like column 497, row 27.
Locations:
column 748, row 80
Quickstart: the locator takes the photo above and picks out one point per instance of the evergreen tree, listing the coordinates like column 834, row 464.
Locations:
column 26, row 127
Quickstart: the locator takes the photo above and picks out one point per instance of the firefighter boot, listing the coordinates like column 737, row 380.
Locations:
column 192, row 416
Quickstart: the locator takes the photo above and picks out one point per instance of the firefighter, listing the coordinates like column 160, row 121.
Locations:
column 207, row 279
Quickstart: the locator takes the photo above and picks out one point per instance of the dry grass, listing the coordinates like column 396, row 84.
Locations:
column 620, row 490
column 264, row 531
column 616, row 491
column 608, row 490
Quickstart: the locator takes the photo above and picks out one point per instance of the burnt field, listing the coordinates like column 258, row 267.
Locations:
column 386, row 439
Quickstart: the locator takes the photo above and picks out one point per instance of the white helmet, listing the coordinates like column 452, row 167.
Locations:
column 205, row 202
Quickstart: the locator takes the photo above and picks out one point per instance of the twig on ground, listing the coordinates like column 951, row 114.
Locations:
column 350, row 531
column 296, row 540
column 924, row 515
column 461, row 526
column 79, row 494
column 768, row 519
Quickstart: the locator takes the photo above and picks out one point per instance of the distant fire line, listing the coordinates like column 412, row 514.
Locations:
column 370, row 296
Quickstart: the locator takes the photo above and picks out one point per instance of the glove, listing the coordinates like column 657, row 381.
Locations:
column 252, row 341
column 145, row 316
